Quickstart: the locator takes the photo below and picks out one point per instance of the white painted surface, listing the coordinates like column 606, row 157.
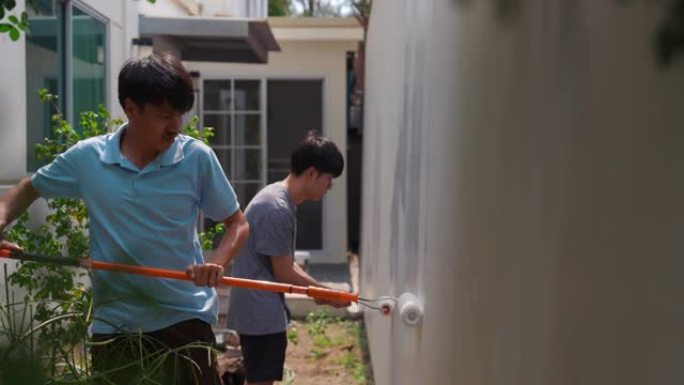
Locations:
column 309, row 60
column 12, row 108
column 523, row 178
column 331, row 34
column 165, row 8
column 231, row 8
column 112, row 10
column 318, row 29
column 236, row 8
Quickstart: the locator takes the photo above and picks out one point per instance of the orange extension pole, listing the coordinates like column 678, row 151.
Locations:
column 311, row 291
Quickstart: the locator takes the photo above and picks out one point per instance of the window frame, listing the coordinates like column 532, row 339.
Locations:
column 300, row 254
column 232, row 112
column 69, row 67
column 64, row 10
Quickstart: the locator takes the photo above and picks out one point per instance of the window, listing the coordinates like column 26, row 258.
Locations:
column 253, row 142
column 87, row 58
column 234, row 108
column 66, row 54
column 44, row 69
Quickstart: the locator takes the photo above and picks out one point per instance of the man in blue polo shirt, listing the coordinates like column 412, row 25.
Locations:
column 144, row 186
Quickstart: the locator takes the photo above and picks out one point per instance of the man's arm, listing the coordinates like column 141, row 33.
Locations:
column 236, row 233
column 286, row 271
column 13, row 203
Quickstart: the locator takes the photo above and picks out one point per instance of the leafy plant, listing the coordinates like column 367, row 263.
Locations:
column 13, row 23
column 293, row 335
column 62, row 303
column 205, row 134
column 318, row 321
column 207, row 237
column 317, row 324
column 278, row 8
column 323, row 341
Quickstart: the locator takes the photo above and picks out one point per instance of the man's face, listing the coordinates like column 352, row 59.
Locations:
column 158, row 125
column 319, row 184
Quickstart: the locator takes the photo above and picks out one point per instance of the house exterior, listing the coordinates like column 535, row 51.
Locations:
column 74, row 49
column 246, row 69
column 102, row 31
column 523, row 178
column 302, row 87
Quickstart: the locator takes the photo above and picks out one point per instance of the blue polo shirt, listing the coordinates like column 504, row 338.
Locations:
column 143, row 217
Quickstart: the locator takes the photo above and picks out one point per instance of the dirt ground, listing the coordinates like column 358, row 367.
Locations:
column 327, row 350
column 321, row 350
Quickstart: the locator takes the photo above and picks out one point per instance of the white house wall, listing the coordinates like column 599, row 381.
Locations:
column 163, row 8
column 236, row 8
column 12, row 108
column 232, row 8
column 310, row 60
column 523, row 177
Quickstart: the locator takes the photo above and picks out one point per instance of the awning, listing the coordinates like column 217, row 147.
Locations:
column 214, row 39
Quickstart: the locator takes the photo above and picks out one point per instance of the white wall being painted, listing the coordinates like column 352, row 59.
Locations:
column 309, row 60
column 523, row 178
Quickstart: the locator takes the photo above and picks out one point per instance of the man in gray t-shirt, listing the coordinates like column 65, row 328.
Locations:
column 260, row 317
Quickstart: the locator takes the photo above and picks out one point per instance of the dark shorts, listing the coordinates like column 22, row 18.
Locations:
column 179, row 354
column 264, row 356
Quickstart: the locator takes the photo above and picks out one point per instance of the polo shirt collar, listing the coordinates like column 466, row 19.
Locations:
column 112, row 150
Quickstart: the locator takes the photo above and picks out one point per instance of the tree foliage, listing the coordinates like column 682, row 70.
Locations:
column 278, row 8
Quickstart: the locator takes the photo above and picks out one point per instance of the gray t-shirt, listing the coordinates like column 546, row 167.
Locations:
column 272, row 226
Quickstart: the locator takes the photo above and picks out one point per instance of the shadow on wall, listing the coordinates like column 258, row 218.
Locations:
column 504, row 9
column 668, row 37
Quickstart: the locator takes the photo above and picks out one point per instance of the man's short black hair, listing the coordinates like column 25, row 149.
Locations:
column 317, row 152
column 156, row 79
